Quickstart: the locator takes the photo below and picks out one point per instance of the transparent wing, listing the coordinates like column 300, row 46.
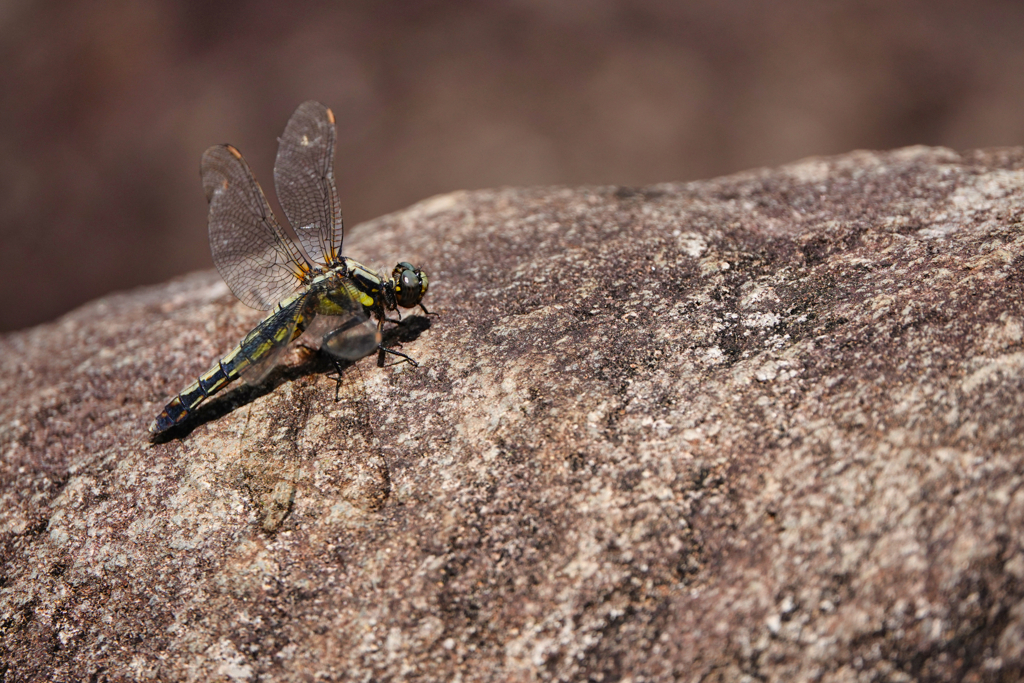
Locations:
column 349, row 336
column 352, row 340
column 257, row 260
column 321, row 325
column 268, row 340
column 257, row 372
column 304, row 176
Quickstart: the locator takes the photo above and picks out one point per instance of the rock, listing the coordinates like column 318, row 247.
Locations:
column 763, row 427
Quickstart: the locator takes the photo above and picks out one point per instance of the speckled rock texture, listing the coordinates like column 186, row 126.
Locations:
column 764, row 427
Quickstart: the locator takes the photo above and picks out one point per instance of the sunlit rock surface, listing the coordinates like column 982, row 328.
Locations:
column 768, row 425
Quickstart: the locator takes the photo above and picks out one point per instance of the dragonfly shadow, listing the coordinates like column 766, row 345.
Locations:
column 408, row 330
column 315, row 363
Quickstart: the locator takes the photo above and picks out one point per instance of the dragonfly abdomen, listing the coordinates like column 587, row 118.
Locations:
column 188, row 398
column 274, row 332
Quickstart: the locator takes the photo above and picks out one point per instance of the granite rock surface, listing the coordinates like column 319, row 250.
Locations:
column 762, row 427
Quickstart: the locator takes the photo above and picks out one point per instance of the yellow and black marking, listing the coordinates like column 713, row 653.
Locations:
column 351, row 290
column 306, row 273
column 286, row 323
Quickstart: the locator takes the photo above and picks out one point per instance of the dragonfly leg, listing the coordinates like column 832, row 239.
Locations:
column 337, row 379
column 384, row 318
column 382, row 350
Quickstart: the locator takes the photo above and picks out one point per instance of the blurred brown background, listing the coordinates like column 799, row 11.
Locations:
column 106, row 106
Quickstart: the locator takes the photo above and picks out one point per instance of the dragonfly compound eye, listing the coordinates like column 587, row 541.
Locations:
column 410, row 288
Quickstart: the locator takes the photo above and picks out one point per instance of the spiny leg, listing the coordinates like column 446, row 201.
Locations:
column 337, row 379
column 382, row 350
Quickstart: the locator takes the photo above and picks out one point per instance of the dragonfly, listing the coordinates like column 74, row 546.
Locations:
column 309, row 286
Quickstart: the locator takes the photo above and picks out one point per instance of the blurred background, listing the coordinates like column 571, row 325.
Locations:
column 107, row 105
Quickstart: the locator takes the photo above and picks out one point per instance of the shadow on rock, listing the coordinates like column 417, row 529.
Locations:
column 409, row 329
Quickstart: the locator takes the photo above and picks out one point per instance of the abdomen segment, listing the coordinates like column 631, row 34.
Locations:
column 253, row 357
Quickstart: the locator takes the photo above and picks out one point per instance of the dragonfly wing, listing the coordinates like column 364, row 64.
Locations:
column 353, row 340
column 346, row 337
column 304, row 176
column 258, row 371
column 257, row 260
column 321, row 325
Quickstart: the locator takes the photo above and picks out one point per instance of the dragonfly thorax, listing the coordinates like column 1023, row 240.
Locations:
column 406, row 286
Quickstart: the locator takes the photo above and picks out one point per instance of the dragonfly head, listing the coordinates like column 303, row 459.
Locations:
column 409, row 283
